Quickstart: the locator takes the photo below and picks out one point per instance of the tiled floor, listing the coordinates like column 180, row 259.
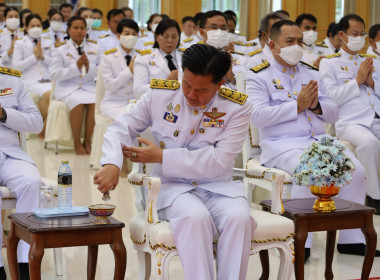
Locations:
column 85, row 193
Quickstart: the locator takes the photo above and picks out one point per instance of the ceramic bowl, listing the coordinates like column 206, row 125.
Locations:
column 101, row 212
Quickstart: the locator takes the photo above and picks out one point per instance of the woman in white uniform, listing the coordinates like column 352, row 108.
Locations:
column 117, row 67
column 9, row 35
column 32, row 55
column 162, row 62
column 146, row 41
column 55, row 30
column 74, row 68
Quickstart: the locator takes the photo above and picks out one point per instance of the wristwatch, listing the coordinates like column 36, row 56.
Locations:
column 316, row 107
column 4, row 118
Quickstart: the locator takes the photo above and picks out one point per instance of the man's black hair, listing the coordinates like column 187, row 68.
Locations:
column 82, row 9
column 264, row 23
column 114, row 12
column 301, row 17
column 229, row 17
column 97, row 11
column 332, row 30
column 187, row 18
column 373, row 31
column 164, row 25
column 66, row 5
column 8, row 9
column 204, row 60
column 344, row 22
column 210, row 14
column 231, row 13
column 197, row 18
column 127, row 22
column 276, row 28
column 3, row 5
column 165, row 16
column 283, row 12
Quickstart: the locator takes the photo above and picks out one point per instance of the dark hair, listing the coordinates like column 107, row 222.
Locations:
column 165, row 16
column 301, row 17
column 231, row 13
column 8, row 9
column 127, row 22
column 373, row 31
column 66, row 5
column 51, row 10
column 150, row 20
column 229, row 17
column 3, row 5
column 113, row 13
column 22, row 12
column 204, row 60
column 197, row 18
column 264, row 22
column 164, row 25
column 30, row 17
column 283, row 12
column 210, row 14
column 97, row 11
column 74, row 18
column 124, row 9
column 332, row 30
column 187, row 18
column 344, row 22
column 54, row 13
column 82, row 9
column 276, row 28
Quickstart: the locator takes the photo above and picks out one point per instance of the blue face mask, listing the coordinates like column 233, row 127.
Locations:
column 97, row 23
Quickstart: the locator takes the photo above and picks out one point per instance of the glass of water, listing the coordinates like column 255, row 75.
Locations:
column 46, row 202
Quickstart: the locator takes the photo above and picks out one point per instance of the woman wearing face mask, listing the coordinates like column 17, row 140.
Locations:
column 146, row 40
column 74, row 68
column 9, row 35
column 23, row 15
column 87, row 14
column 32, row 56
column 117, row 70
column 162, row 62
column 55, row 30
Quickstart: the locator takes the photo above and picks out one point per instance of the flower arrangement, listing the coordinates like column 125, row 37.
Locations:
column 324, row 163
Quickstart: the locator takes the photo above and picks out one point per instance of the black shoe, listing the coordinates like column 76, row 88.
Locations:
column 24, row 271
column 3, row 276
column 354, row 249
column 374, row 203
column 307, row 254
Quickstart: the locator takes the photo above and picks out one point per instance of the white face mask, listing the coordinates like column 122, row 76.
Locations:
column 217, row 38
column 291, row 55
column 12, row 23
column 56, row 26
column 154, row 27
column 309, row 37
column 128, row 41
column 35, row 32
column 355, row 44
column 89, row 22
column 378, row 47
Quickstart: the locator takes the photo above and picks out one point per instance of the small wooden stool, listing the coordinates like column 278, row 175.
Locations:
column 348, row 215
column 41, row 233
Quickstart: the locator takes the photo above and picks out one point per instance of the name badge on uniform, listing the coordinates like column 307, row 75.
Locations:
column 278, row 86
column 6, row 91
column 170, row 117
column 92, row 52
column 69, row 55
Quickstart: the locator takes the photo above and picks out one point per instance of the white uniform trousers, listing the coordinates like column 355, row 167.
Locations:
column 23, row 180
column 196, row 217
column 367, row 150
column 113, row 110
column 354, row 191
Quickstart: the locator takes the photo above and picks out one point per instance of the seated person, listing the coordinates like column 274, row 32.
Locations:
column 117, row 70
column 195, row 162
column 162, row 62
column 109, row 40
column 374, row 41
column 32, row 55
column 74, row 67
column 188, row 37
column 146, row 41
column 289, row 108
column 17, row 170
column 55, row 30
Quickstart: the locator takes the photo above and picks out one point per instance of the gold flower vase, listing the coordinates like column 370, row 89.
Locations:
column 324, row 203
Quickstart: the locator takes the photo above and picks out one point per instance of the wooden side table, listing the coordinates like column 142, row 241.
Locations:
column 348, row 215
column 41, row 233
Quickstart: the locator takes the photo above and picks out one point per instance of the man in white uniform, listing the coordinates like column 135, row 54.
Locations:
column 17, row 169
column 200, row 128
column 110, row 40
column 289, row 108
column 374, row 41
column 353, row 82
column 188, row 37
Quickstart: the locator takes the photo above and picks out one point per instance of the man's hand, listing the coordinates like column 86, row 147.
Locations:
column 10, row 50
column 364, row 70
column 369, row 81
column 307, row 96
column 133, row 62
column 107, row 178
column 83, row 60
column 173, row 75
column 149, row 154
column 316, row 63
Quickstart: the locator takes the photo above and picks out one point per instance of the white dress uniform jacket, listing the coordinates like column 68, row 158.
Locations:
column 331, row 49
column 118, row 81
column 311, row 53
column 371, row 51
column 257, row 57
column 152, row 64
column 145, row 42
column 187, row 41
column 65, row 70
column 108, row 41
column 253, row 45
column 5, row 44
column 54, row 35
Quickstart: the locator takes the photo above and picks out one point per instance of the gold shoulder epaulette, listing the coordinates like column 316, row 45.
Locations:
column 104, row 36
column 1, row 31
column 64, row 32
column 182, row 49
column 309, row 65
column 92, row 41
column 60, row 44
column 321, row 44
column 255, row 52
column 233, row 95
column 188, row 40
column 110, row 51
column 99, row 28
column 333, row 55
column 250, row 44
column 260, row 67
column 10, row 71
column 18, row 39
column 201, row 42
column 22, row 29
column 237, row 52
column 46, row 37
column 239, row 43
column 164, row 84
column 367, row 55
column 143, row 35
column 144, row 52
column 148, row 43
column 45, row 30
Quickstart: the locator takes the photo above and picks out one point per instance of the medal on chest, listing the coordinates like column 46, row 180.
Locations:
column 212, row 119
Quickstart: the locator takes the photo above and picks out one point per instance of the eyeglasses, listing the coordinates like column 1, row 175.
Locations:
column 216, row 27
column 364, row 34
